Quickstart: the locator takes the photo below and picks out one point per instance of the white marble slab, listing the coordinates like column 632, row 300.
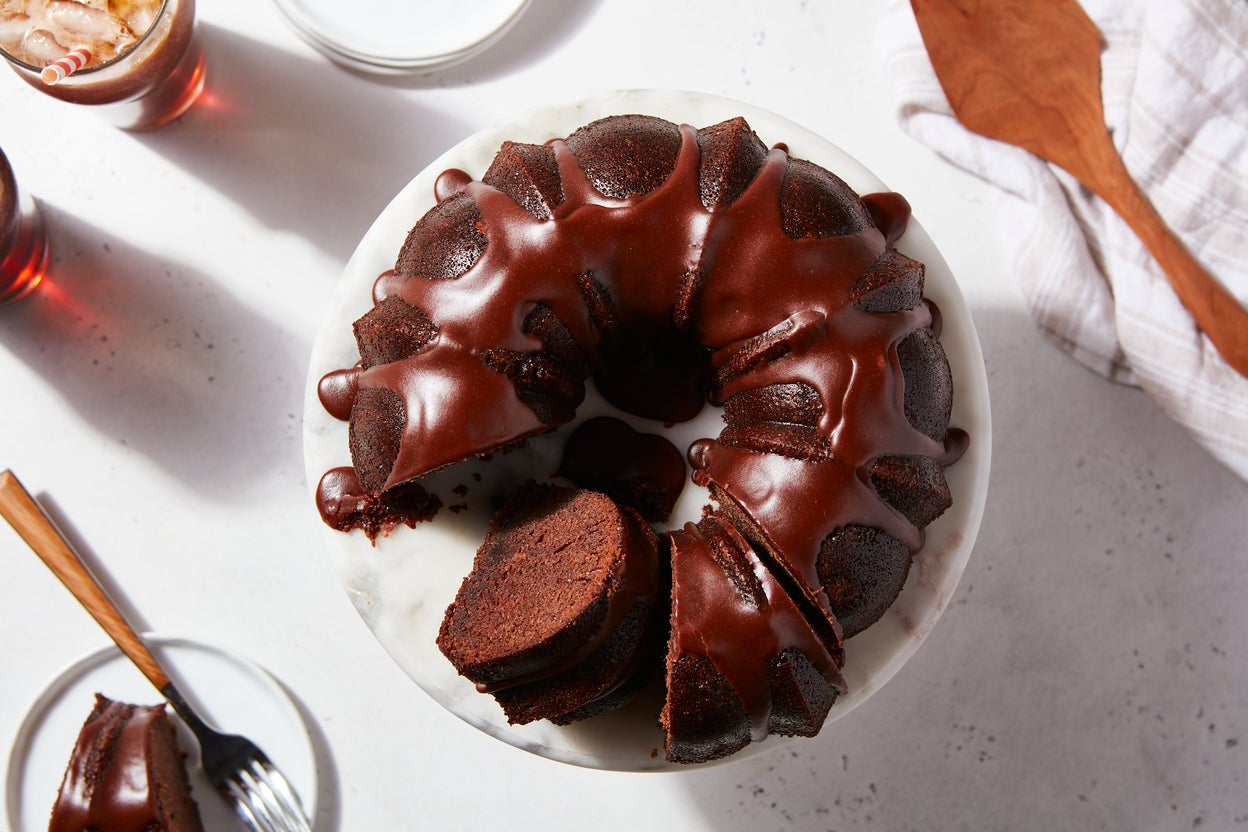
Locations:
column 1088, row 672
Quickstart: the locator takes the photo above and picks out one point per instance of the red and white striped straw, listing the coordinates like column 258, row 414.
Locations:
column 58, row 71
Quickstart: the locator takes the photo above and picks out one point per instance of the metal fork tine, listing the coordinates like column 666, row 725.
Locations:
column 259, row 804
column 286, row 796
column 265, row 797
column 270, row 782
column 257, row 798
column 276, row 795
column 237, row 795
column 280, row 785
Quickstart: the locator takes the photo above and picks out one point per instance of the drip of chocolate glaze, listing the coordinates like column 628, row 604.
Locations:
column 449, row 183
column 739, row 633
column 345, row 504
column 337, row 391
column 890, row 212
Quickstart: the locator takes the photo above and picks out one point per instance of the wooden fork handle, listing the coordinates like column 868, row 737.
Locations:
column 41, row 534
column 1215, row 310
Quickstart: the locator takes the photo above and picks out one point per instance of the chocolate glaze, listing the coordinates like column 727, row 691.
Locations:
column 449, row 183
column 337, row 391
column 751, row 275
column 740, row 622
column 108, row 782
column 695, row 284
column 345, row 504
column 890, row 212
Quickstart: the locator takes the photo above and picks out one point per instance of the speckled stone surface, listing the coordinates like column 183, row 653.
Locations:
column 1091, row 668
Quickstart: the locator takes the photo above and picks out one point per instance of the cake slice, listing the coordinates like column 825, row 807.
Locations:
column 555, row 617
column 126, row 774
column 743, row 660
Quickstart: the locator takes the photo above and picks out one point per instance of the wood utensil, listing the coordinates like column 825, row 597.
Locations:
column 29, row 520
column 1028, row 72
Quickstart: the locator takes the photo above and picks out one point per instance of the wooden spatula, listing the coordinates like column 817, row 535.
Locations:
column 1028, row 72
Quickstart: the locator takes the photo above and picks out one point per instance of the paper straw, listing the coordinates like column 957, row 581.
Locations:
column 58, row 71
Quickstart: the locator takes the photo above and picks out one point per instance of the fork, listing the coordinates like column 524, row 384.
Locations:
column 236, row 767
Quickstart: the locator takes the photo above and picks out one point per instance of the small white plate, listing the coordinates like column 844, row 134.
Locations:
column 231, row 693
column 402, row 586
column 400, row 35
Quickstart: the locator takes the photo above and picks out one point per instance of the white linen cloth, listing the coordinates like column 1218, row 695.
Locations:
column 1175, row 90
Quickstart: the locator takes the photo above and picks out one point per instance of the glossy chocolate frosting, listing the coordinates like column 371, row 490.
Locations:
column 111, row 780
column 728, row 608
column 676, row 268
column 748, row 275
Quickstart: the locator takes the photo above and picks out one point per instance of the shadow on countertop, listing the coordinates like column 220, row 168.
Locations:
column 159, row 357
column 302, row 146
column 328, row 781
column 1087, row 672
column 311, row 148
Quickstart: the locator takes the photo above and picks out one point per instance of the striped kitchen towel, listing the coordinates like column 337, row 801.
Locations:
column 1175, row 89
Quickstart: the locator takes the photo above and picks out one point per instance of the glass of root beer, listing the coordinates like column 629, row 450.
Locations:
column 23, row 241
column 138, row 63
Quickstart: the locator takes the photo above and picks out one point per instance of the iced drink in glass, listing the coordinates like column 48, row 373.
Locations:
column 144, row 65
column 23, row 243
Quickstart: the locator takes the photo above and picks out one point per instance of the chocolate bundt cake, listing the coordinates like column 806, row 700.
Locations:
column 555, row 617
column 672, row 267
column 126, row 775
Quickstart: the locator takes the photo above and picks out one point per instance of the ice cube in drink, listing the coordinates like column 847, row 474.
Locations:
column 42, row 31
column 143, row 53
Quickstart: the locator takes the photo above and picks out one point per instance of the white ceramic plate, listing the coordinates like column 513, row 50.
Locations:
column 402, row 586
column 400, row 35
column 232, row 694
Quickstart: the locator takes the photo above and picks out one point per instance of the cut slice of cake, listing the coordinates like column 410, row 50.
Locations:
column 743, row 661
column 555, row 616
column 126, row 774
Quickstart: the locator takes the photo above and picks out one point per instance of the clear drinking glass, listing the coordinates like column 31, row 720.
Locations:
column 153, row 81
column 23, row 241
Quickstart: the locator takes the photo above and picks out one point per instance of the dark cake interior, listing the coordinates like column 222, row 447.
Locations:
column 553, row 616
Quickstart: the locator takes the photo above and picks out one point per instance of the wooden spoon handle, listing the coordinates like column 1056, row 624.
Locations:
column 1215, row 310
column 42, row 535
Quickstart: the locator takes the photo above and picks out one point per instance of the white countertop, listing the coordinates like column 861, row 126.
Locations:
column 1090, row 672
